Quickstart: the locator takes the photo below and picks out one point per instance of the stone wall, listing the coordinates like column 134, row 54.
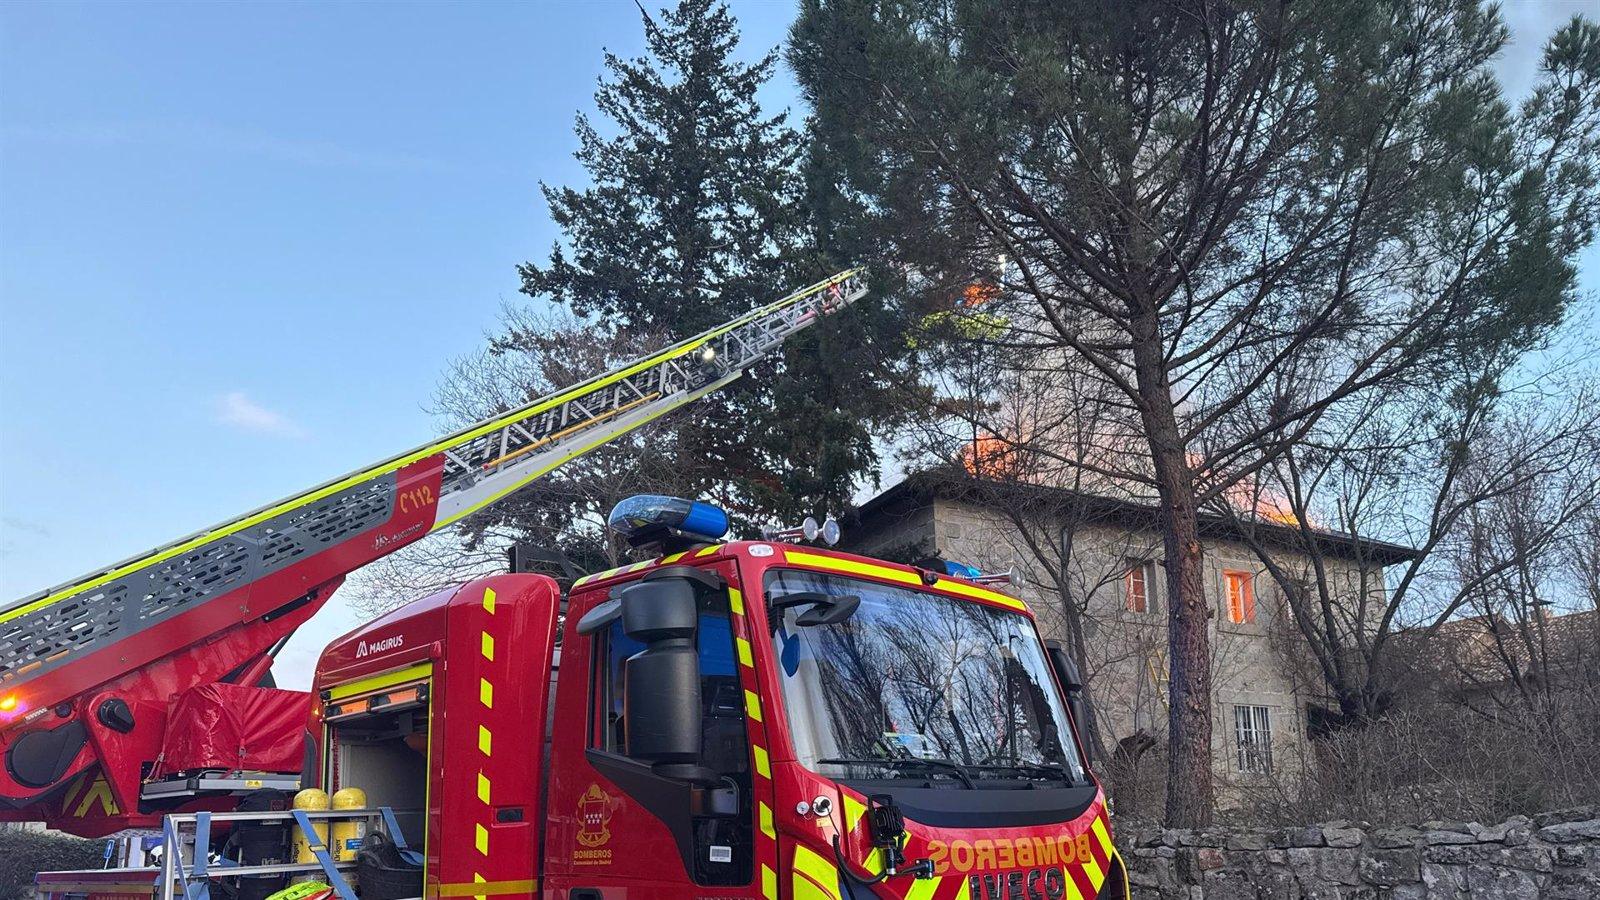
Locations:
column 1553, row 856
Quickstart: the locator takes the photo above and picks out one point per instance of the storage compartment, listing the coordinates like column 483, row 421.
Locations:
column 384, row 752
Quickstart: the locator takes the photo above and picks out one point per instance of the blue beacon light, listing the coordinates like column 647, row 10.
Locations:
column 961, row 570
column 646, row 518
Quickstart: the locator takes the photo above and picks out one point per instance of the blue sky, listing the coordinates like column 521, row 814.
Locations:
column 239, row 243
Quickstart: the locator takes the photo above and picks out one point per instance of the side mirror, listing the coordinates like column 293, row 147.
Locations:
column 661, row 683
column 1071, row 679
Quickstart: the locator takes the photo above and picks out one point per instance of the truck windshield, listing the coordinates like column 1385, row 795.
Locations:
column 914, row 684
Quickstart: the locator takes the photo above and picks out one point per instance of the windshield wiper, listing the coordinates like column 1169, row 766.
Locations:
column 905, row 762
column 1046, row 770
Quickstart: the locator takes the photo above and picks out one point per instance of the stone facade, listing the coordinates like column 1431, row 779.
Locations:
column 1554, row 856
column 1255, row 667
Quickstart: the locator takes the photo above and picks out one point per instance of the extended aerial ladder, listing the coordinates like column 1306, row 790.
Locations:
column 87, row 667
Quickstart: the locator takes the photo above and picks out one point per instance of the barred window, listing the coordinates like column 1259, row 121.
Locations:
column 1252, row 730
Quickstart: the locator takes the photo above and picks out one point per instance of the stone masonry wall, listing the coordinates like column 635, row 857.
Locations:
column 1553, row 856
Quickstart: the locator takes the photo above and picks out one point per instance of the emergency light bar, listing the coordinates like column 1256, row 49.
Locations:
column 647, row 518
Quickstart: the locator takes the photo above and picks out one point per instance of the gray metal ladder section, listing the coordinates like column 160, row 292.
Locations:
column 482, row 463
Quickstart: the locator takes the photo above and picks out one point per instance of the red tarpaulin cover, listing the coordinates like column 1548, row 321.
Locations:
column 231, row 726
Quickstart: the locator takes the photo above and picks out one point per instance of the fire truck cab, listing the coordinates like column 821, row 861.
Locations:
column 748, row 719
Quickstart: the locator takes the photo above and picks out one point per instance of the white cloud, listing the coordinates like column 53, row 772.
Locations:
column 238, row 410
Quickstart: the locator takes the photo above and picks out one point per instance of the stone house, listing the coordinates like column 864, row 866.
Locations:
column 1104, row 556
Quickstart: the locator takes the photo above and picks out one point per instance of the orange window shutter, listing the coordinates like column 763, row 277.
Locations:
column 1248, row 591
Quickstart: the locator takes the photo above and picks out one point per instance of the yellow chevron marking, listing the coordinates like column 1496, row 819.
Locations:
column 769, row 883
column 488, row 646
column 671, row 558
column 486, row 693
column 763, row 766
column 814, row 877
column 766, row 821
column 480, row 839
column 853, row 811
column 1097, row 877
column 923, row 888
column 101, row 791
column 483, row 788
column 1104, row 836
column 752, row 705
column 488, row 600
column 746, row 658
column 485, row 740
column 707, row 551
column 736, row 601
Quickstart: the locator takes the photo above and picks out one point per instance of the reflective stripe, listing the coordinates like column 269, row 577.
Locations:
column 978, row 593
column 480, row 888
column 873, row 570
column 851, row 567
column 814, row 877
column 1097, row 877
column 379, row 682
column 1100, row 832
column 766, row 821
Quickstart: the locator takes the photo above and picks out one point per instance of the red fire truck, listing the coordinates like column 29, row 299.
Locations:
column 745, row 719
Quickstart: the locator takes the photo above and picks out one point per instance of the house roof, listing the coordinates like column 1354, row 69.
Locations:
column 923, row 487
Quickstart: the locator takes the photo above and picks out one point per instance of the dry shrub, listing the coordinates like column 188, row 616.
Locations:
column 1448, row 761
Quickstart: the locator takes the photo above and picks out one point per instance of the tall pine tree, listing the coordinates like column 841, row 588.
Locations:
column 695, row 213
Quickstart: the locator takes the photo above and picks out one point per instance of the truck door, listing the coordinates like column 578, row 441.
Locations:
column 618, row 827
column 488, row 760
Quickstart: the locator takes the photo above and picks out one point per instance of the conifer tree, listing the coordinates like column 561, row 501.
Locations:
column 695, row 213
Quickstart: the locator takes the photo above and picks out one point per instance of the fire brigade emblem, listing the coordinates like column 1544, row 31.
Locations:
column 594, row 811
